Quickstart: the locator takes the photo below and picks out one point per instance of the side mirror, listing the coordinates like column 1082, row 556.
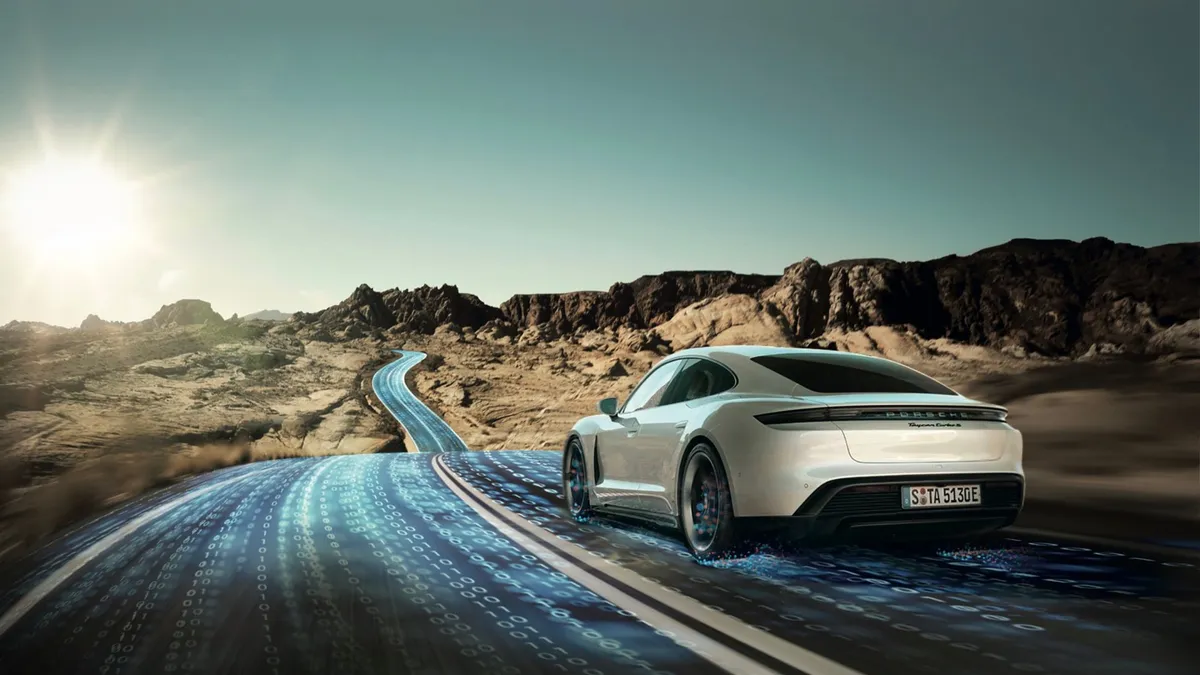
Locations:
column 608, row 406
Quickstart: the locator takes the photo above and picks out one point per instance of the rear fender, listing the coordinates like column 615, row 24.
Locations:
column 701, row 428
column 697, row 436
column 733, row 424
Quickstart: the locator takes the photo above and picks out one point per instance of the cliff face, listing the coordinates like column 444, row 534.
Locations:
column 1052, row 297
column 644, row 303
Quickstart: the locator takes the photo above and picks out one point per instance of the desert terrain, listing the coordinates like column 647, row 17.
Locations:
column 1093, row 346
column 92, row 416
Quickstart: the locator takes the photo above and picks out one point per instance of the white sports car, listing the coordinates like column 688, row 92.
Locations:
column 724, row 442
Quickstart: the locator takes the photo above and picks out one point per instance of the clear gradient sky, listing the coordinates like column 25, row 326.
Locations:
column 300, row 148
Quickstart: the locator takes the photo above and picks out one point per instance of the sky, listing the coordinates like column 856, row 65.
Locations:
column 286, row 151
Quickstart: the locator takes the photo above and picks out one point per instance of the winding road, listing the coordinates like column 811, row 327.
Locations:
column 464, row 562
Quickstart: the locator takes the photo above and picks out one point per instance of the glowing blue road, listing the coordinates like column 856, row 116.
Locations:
column 1009, row 605
column 352, row 564
column 463, row 562
column 428, row 431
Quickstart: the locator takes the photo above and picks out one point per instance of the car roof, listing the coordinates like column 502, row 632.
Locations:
column 739, row 356
column 752, row 351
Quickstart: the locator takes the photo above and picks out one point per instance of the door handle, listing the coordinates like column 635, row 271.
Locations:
column 680, row 425
column 631, row 433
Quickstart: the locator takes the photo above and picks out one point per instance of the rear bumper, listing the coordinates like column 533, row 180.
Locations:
column 772, row 471
column 869, row 508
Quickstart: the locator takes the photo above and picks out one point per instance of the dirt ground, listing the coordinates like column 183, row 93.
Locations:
column 1120, row 436
column 90, row 420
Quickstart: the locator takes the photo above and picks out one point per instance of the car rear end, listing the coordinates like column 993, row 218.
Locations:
column 916, row 462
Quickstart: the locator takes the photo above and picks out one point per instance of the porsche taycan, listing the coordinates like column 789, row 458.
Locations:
column 732, row 444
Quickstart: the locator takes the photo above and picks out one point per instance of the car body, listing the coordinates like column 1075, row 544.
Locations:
column 809, row 443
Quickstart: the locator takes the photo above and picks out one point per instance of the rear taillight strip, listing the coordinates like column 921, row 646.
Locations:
column 794, row 416
column 882, row 414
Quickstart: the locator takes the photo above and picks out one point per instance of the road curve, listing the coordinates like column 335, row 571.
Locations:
column 448, row 562
column 428, row 431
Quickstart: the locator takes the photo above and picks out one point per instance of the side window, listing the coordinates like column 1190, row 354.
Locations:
column 650, row 392
column 699, row 378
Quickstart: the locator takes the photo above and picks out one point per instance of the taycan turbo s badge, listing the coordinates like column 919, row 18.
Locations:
column 934, row 424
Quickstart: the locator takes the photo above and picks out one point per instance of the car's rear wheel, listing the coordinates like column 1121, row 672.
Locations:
column 575, row 482
column 705, row 505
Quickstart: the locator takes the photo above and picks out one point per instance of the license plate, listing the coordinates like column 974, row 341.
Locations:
column 934, row 496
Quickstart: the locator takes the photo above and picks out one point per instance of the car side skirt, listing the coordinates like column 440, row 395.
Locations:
column 660, row 519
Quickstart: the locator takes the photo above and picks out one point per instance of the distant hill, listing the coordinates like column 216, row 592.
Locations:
column 180, row 313
column 269, row 315
column 34, row 327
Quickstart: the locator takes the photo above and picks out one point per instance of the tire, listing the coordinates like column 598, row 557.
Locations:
column 575, row 482
column 706, row 506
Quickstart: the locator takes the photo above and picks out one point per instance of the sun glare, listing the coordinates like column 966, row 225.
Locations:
column 68, row 210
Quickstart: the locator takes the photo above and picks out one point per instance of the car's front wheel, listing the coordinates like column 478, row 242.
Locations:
column 705, row 505
column 575, row 482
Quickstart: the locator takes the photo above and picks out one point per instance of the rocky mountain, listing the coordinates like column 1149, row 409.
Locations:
column 32, row 328
column 419, row 310
column 94, row 324
column 424, row 309
column 179, row 313
column 186, row 313
column 1050, row 297
column 16, row 335
column 268, row 315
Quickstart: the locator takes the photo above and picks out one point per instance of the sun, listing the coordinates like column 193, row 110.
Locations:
column 71, row 210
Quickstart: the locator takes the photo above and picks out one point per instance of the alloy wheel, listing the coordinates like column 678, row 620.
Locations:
column 702, row 515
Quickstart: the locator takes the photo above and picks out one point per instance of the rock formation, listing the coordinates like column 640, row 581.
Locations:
column 95, row 323
column 419, row 310
column 267, row 315
column 32, row 328
column 185, row 313
column 644, row 303
column 423, row 309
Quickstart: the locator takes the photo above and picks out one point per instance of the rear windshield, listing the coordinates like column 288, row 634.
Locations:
column 832, row 374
